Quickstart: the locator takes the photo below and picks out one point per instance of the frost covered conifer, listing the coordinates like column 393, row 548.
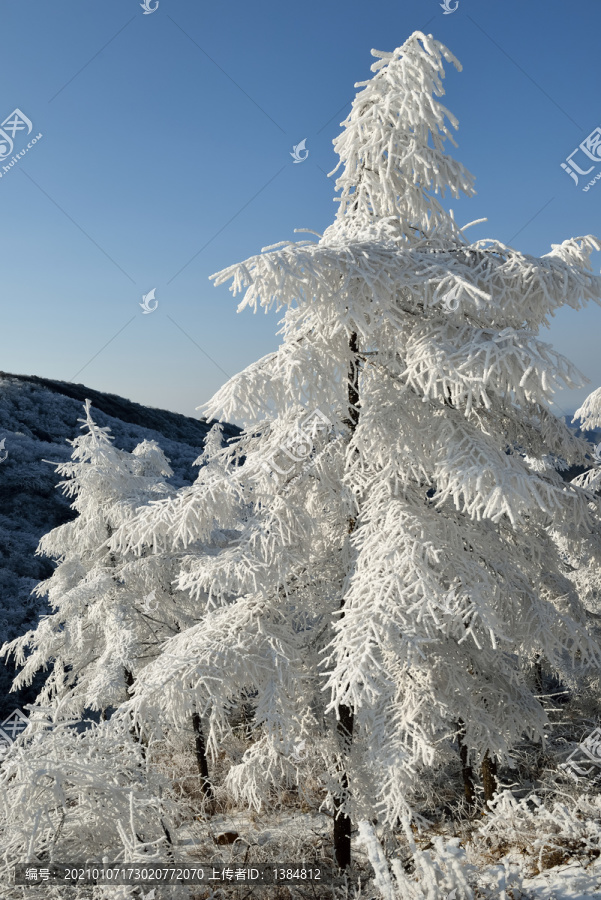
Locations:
column 113, row 612
column 90, row 793
column 387, row 567
column 583, row 557
column 103, row 629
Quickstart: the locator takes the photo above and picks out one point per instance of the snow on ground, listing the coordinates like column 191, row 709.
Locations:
column 264, row 838
column 285, row 831
column 572, row 882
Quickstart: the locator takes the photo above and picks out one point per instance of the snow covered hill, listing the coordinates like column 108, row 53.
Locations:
column 37, row 416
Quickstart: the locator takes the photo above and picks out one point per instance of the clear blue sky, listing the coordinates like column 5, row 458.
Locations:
column 166, row 156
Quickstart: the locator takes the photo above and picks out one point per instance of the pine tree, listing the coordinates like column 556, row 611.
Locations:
column 582, row 557
column 89, row 792
column 113, row 613
column 386, row 513
column 102, row 630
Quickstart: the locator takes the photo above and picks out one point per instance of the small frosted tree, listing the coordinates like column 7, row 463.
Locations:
column 583, row 557
column 101, row 632
column 112, row 612
column 388, row 507
column 85, row 796
column 90, row 792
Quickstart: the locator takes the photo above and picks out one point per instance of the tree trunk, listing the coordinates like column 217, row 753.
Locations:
column 129, row 680
column 489, row 777
column 168, row 839
column 538, row 674
column 247, row 720
column 342, row 821
column 345, row 715
column 540, row 685
column 201, row 758
column 466, row 770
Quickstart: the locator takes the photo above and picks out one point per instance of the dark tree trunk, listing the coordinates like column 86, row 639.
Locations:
column 466, row 770
column 540, row 685
column 345, row 715
column 247, row 720
column 353, row 383
column 129, row 680
column 538, row 675
column 489, row 777
column 169, row 840
column 128, row 677
column 342, row 821
column 201, row 758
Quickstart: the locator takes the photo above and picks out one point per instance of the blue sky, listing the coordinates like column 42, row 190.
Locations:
column 165, row 156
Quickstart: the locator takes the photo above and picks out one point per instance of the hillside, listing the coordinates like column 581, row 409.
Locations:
column 37, row 416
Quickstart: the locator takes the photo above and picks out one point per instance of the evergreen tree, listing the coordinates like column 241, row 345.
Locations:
column 583, row 556
column 104, row 628
column 386, row 513
column 113, row 612
column 87, row 792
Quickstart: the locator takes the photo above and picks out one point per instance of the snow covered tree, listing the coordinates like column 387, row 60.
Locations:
column 84, row 795
column 589, row 416
column 112, row 613
column 101, row 631
column 90, row 792
column 387, row 509
column 583, row 557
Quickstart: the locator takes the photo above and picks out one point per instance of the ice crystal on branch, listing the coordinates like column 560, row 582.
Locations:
column 392, row 146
